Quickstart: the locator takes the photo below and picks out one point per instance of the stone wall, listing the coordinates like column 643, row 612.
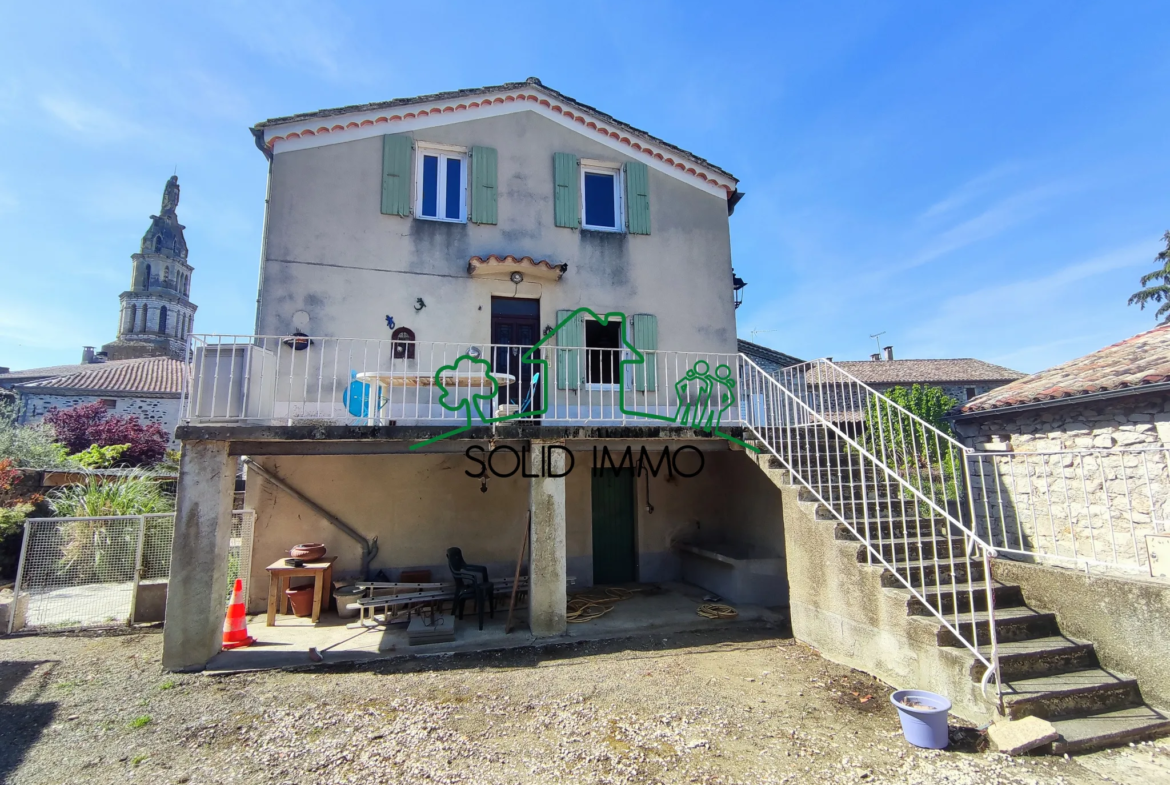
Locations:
column 1082, row 482
column 164, row 411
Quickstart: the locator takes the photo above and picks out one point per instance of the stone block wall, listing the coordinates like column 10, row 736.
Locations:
column 1077, row 481
column 164, row 411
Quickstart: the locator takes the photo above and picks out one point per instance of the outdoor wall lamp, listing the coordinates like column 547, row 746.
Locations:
column 419, row 304
column 737, row 285
column 474, row 352
column 516, row 277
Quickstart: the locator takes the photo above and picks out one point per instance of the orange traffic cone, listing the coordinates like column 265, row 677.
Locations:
column 235, row 625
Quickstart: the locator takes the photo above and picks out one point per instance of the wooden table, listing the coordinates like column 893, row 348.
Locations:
column 278, row 575
column 456, row 380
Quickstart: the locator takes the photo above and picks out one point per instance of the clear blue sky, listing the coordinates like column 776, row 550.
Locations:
column 984, row 181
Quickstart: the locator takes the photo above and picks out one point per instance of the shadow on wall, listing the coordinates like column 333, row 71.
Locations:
column 21, row 724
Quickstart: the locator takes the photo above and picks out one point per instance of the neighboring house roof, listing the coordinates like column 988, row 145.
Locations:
column 380, row 117
column 754, row 350
column 1128, row 366
column 955, row 371
column 147, row 375
column 32, row 374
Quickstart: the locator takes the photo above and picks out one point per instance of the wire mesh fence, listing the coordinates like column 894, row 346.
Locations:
column 88, row 572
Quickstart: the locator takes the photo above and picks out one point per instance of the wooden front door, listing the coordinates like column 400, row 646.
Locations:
column 515, row 325
column 614, row 541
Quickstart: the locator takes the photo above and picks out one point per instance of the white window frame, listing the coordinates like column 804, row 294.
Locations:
column 589, row 165
column 442, row 152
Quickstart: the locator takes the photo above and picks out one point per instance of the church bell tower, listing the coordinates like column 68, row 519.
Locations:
column 156, row 314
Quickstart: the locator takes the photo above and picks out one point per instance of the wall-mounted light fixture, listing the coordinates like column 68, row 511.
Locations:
column 419, row 304
column 737, row 285
column 474, row 352
column 517, row 277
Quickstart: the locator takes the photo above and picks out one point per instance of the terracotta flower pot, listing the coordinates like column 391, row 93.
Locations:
column 308, row 551
column 301, row 599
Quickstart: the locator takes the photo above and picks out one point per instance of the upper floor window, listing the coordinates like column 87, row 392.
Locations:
column 601, row 196
column 441, row 192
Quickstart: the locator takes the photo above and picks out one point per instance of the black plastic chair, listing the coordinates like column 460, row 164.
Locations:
column 471, row 583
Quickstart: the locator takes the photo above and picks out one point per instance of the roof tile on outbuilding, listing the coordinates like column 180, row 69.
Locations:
column 1134, row 363
column 158, row 375
column 955, row 371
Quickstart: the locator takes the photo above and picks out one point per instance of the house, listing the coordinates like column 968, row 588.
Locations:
column 768, row 360
column 473, row 306
column 1052, row 436
column 500, row 312
column 147, row 388
column 961, row 378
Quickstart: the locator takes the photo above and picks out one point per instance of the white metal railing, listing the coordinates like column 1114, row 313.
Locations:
column 1087, row 507
column 88, row 572
column 893, row 480
column 244, row 379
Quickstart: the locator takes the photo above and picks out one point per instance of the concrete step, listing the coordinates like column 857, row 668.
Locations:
column 1110, row 728
column 912, row 548
column 1011, row 624
column 852, row 492
column 1035, row 657
column 888, row 530
column 1070, row 694
column 932, row 573
column 972, row 597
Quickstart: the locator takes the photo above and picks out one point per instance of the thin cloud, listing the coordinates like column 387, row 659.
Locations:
column 968, row 191
column 88, row 121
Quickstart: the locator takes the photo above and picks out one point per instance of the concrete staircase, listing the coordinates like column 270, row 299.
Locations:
column 1044, row 673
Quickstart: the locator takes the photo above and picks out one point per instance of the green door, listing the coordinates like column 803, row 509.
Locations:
column 613, row 527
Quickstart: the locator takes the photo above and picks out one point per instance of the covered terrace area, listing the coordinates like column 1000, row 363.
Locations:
column 669, row 511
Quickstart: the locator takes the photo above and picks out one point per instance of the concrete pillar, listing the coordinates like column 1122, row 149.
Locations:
column 548, row 570
column 196, row 596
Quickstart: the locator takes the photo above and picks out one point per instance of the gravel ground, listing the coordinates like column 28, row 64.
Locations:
column 694, row 709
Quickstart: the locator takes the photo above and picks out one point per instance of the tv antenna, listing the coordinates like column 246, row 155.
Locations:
column 877, row 339
column 754, row 333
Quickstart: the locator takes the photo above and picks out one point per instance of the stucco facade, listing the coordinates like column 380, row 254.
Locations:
column 334, row 265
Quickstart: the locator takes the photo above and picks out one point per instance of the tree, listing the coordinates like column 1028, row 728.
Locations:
column 1159, row 293
column 82, row 427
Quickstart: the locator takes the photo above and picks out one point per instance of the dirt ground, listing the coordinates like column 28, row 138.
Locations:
column 694, row 708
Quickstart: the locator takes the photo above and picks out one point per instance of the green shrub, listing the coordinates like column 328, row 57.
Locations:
column 29, row 446
column 101, row 457
column 134, row 493
column 925, row 460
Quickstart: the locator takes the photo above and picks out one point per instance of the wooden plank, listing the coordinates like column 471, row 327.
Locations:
column 516, row 577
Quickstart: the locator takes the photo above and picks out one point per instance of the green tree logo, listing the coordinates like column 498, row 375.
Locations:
column 478, row 374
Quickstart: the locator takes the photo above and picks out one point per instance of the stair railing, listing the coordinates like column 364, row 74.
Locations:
column 895, row 482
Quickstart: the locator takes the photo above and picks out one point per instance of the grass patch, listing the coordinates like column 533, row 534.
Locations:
column 169, row 684
column 69, row 686
column 140, row 722
column 138, row 759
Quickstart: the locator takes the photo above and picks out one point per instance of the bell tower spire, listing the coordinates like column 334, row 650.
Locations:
column 157, row 314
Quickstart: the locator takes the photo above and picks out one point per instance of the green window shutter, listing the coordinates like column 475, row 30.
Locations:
column 638, row 197
column 483, row 185
column 396, row 161
column 565, row 210
column 569, row 361
column 646, row 340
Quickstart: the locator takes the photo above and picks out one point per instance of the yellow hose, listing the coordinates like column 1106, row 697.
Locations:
column 589, row 606
column 711, row 610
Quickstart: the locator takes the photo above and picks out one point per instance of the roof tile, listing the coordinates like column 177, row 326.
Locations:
column 145, row 375
column 1141, row 360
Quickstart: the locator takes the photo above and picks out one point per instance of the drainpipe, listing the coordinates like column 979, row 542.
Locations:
column 369, row 547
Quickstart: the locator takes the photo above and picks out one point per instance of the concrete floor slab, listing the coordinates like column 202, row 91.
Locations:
column 653, row 608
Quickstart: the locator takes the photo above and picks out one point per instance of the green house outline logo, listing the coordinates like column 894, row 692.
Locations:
column 630, row 364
